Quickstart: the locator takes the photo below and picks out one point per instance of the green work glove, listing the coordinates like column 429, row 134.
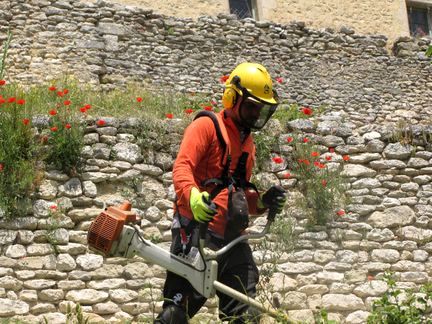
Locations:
column 274, row 197
column 200, row 205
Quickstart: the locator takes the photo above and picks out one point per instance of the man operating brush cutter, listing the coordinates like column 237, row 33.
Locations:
column 212, row 181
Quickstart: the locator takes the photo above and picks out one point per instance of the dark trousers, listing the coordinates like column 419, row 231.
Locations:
column 236, row 269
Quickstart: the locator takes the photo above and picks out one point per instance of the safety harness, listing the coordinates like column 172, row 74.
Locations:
column 238, row 179
column 236, row 184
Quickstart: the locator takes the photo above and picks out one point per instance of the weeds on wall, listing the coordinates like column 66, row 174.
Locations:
column 65, row 137
column 4, row 55
column 402, row 307
column 18, row 149
column 266, row 143
column 322, row 186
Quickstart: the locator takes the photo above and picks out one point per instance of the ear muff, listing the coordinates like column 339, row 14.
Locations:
column 229, row 97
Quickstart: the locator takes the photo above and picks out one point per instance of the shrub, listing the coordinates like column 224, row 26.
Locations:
column 399, row 307
column 18, row 149
column 321, row 185
column 18, row 156
column 65, row 140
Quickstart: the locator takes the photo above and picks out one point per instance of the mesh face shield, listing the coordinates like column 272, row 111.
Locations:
column 254, row 113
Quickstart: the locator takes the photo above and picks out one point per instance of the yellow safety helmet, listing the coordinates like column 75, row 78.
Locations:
column 255, row 79
column 253, row 83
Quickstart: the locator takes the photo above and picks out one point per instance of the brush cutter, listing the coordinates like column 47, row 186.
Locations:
column 115, row 234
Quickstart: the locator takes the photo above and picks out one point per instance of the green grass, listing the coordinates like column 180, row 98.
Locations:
column 39, row 100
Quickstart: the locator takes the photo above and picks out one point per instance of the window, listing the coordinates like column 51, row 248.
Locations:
column 419, row 19
column 243, row 8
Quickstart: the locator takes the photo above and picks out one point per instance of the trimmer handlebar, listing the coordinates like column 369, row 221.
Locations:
column 210, row 254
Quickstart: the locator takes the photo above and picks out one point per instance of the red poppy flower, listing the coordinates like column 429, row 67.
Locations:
column 2, row 82
column 11, row 99
column 67, row 102
column 52, row 88
column 20, row 102
column 328, row 158
column 87, row 107
column 279, row 80
column 290, row 139
column 340, row 212
column 54, row 129
column 316, row 163
column 321, row 166
column 68, row 126
column 307, row 111
column 306, row 162
column 169, row 116
column 1, row 167
column 188, row 111
column 53, row 207
column 208, row 108
column 214, row 103
column 277, row 159
column 314, row 154
column 2, row 100
column 287, row 175
column 305, row 140
column 60, row 93
column 83, row 109
column 139, row 99
column 26, row 121
column 65, row 91
column 224, row 78
column 370, row 277
column 100, row 122
column 331, row 150
column 324, row 182
column 53, row 112
column 346, row 157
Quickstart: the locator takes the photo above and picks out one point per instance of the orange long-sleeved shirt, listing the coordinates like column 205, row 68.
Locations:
column 200, row 158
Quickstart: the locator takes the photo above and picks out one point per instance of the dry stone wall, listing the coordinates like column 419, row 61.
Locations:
column 46, row 266
column 371, row 98
column 108, row 45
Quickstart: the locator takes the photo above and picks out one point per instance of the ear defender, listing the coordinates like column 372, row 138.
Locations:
column 229, row 96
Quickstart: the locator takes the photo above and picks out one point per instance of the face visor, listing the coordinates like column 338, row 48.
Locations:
column 254, row 113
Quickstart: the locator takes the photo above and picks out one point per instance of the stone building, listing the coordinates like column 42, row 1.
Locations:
column 392, row 18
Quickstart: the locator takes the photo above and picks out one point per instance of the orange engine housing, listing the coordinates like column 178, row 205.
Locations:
column 106, row 228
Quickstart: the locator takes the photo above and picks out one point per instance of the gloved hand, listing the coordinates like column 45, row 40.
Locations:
column 274, row 197
column 200, row 205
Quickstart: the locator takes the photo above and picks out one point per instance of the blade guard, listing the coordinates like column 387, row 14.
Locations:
column 106, row 228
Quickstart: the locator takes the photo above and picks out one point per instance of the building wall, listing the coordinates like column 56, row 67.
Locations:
column 386, row 17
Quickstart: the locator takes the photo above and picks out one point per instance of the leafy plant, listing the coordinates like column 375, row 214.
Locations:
column 65, row 141
column 265, row 145
column 321, row 317
column 429, row 51
column 402, row 307
column 76, row 316
column 286, row 113
column 53, row 226
column 280, row 241
column 18, row 153
column 322, row 187
column 4, row 55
